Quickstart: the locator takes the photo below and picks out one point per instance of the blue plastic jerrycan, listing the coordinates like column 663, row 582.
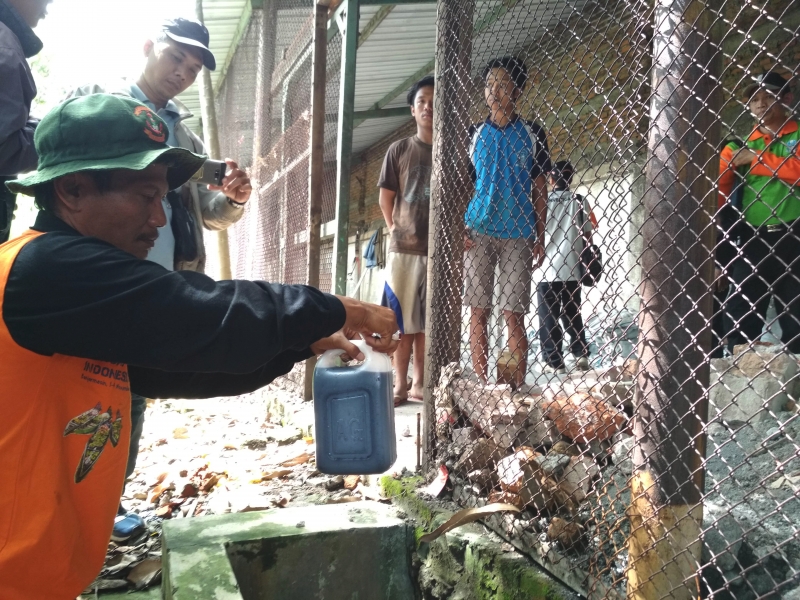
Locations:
column 354, row 414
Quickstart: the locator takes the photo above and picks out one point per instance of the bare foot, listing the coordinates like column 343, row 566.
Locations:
column 415, row 392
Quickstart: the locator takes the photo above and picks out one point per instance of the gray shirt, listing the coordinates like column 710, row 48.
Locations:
column 163, row 251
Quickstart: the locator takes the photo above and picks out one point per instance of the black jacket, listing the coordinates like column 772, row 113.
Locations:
column 182, row 334
column 17, row 91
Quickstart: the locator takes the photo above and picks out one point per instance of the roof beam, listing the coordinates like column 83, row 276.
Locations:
column 384, row 113
column 419, row 74
column 482, row 25
column 376, row 20
column 241, row 28
column 394, row 2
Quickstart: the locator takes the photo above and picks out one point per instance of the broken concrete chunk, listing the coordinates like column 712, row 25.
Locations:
column 510, row 469
column 482, row 453
column 464, row 436
column 570, row 535
column 553, row 464
column 752, row 385
column 484, row 478
column 584, row 418
column 623, row 454
column 578, row 478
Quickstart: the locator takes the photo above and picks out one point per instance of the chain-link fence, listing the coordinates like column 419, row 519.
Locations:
column 646, row 423
column 644, row 420
column 264, row 120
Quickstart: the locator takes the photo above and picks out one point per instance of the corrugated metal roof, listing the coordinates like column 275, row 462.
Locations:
column 223, row 19
column 401, row 46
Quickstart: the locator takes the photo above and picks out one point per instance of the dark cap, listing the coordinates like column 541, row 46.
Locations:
column 191, row 33
column 767, row 81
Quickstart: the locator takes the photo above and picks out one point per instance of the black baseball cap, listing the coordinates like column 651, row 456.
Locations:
column 191, row 33
column 771, row 81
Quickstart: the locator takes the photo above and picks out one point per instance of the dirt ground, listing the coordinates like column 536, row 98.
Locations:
column 201, row 457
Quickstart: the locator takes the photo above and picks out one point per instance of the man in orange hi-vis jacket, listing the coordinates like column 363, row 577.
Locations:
column 86, row 320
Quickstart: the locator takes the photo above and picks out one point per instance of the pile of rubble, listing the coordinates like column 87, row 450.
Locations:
column 550, row 450
column 562, row 453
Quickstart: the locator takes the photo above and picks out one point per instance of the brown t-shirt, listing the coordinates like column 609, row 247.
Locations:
column 407, row 172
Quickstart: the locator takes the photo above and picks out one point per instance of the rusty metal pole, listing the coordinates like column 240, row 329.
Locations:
column 316, row 168
column 449, row 198
column 211, row 140
column 677, row 269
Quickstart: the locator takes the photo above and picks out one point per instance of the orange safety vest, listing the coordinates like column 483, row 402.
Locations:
column 64, row 437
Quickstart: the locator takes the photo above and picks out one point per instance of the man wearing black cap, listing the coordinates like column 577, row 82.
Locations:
column 174, row 59
column 769, row 166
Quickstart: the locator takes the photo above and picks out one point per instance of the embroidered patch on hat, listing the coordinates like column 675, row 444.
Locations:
column 153, row 128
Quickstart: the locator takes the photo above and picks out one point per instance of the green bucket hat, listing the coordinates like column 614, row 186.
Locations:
column 102, row 132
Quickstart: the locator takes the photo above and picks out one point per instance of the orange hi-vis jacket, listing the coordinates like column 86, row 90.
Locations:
column 64, row 434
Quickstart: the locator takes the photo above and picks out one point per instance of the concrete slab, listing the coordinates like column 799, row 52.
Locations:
column 338, row 551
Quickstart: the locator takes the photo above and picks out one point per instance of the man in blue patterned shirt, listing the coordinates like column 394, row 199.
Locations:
column 506, row 217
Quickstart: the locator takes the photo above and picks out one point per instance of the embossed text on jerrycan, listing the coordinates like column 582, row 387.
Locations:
column 354, row 414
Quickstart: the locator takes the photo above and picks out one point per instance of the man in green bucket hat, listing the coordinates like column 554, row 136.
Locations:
column 86, row 321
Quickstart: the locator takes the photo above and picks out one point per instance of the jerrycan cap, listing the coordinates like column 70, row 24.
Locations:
column 377, row 362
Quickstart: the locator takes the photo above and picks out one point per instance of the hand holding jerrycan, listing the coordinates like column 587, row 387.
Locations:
column 354, row 414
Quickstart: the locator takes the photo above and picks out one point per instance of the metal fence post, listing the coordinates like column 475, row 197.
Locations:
column 316, row 175
column 345, row 143
column 449, row 198
column 668, row 480
column 212, row 147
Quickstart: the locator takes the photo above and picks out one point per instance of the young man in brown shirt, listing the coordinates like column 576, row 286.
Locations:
column 405, row 191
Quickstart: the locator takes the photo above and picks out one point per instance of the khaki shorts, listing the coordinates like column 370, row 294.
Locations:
column 405, row 290
column 512, row 286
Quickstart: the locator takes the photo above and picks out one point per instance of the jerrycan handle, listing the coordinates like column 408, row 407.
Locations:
column 373, row 361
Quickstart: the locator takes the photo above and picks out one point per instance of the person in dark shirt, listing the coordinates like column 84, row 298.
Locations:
column 86, row 320
column 17, row 91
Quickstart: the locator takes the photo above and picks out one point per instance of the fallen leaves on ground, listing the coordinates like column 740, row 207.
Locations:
column 468, row 515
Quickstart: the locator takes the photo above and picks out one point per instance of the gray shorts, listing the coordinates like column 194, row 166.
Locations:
column 512, row 285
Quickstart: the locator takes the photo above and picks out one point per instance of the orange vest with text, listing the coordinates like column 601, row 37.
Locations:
column 64, row 434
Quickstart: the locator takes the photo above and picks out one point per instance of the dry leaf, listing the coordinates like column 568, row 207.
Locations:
column 351, row 481
column 209, row 483
column 118, row 563
column 165, row 512
column 268, row 475
column 180, row 433
column 506, row 498
column 146, row 573
column 283, row 499
column 777, row 483
column 342, row 500
column 468, row 515
column 437, row 485
column 189, row 491
column 105, row 584
column 156, row 492
column 297, row 460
